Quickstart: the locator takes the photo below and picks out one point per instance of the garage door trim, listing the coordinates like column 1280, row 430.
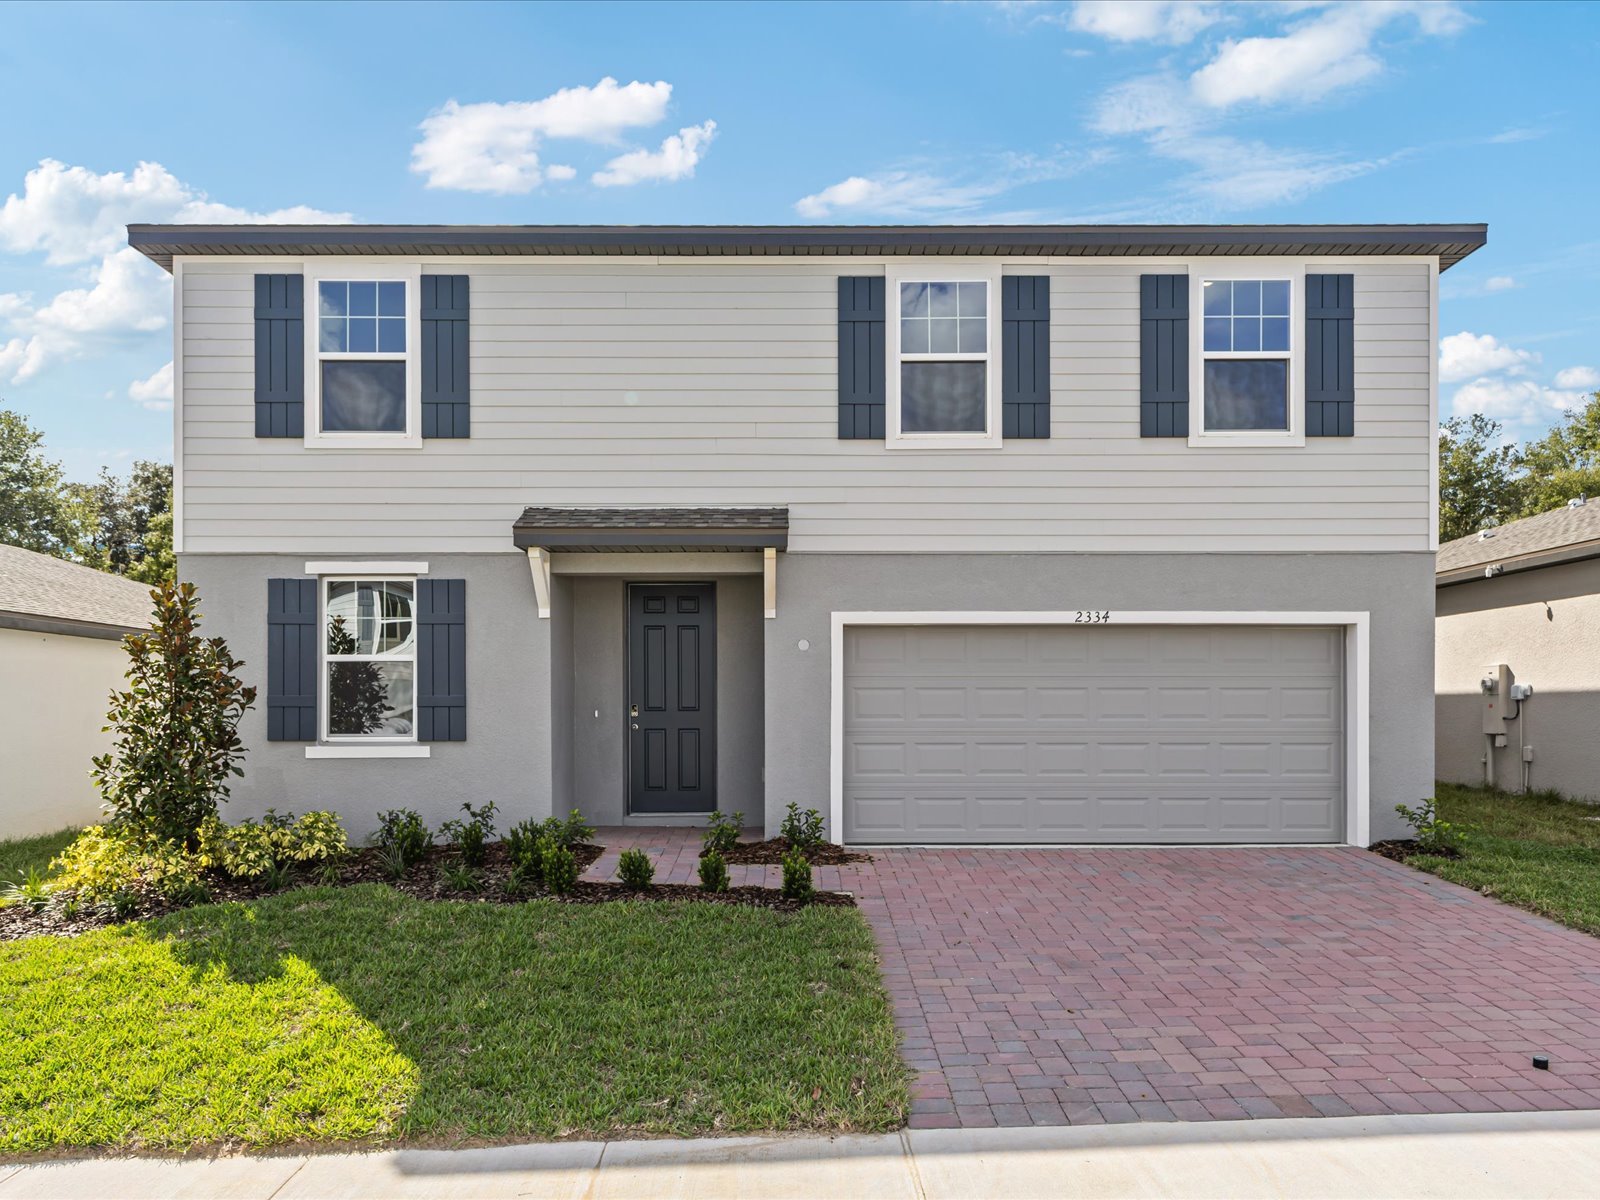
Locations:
column 1356, row 673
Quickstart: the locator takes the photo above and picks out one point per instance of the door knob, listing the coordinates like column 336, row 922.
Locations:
column 636, row 725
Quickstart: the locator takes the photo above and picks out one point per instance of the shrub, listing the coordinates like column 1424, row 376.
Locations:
column 722, row 835
column 635, row 870
column 459, row 877
column 803, row 831
column 319, row 837
column 175, row 744
column 560, row 866
column 471, row 836
column 254, row 849
column 1433, row 836
column 713, row 872
column 575, row 830
column 797, row 877
column 522, row 845
column 403, row 837
column 32, row 891
column 104, row 861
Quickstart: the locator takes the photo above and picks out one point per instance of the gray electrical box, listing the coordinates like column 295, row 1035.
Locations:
column 1497, row 707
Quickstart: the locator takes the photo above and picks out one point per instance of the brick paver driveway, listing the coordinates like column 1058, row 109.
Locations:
column 1076, row 986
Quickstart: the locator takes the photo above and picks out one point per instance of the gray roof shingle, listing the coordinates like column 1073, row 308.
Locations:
column 1558, row 529
column 40, row 586
column 616, row 527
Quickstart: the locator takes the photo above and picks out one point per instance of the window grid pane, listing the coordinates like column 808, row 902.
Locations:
column 361, row 316
column 944, row 318
column 1245, row 315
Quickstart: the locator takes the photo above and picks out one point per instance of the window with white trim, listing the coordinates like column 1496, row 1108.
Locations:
column 369, row 660
column 362, row 373
column 943, row 358
column 1246, row 356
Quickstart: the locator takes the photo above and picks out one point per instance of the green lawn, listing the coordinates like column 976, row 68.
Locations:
column 17, row 855
column 1540, row 852
column 361, row 1014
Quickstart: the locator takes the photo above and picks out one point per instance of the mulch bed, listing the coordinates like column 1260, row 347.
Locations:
column 1402, row 849
column 771, row 852
column 427, row 880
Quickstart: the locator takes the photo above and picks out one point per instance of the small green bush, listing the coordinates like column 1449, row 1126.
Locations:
column 104, row 861
column 403, row 836
column 797, row 877
column 255, row 849
column 471, row 836
column 802, row 830
column 459, row 877
column 575, row 831
column 713, row 872
column 522, row 845
column 722, row 834
column 1433, row 836
column 635, row 870
column 560, row 867
column 32, row 891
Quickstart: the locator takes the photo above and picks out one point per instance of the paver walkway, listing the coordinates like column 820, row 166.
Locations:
column 1049, row 987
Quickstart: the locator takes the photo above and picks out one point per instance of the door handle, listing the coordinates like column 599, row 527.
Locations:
column 636, row 725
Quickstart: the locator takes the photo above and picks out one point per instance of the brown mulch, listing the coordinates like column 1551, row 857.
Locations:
column 771, row 852
column 1402, row 849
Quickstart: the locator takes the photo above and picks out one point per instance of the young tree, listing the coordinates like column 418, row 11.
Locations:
column 176, row 744
column 125, row 528
column 1479, row 476
column 37, row 511
column 1565, row 462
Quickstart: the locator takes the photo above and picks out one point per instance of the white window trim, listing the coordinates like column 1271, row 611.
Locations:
column 318, row 270
column 1357, row 628
column 941, row 272
column 361, row 741
column 380, row 569
column 379, row 750
column 1247, row 268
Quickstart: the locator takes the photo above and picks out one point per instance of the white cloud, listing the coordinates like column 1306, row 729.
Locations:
column 560, row 172
column 676, row 159
column 1146, row 105
column 130, row 294
column 155, row 392
column 906, row 194
column 20, row 359
column 1171, row 21
column 494, row 147
column 1464, row 355
column 1514, row 401
column 1239, row 174
column 1583, row 378
column 1499, row 283
column 75, row 215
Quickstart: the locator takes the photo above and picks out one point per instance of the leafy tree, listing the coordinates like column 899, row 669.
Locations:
column 159, row 564
column 125, row 530
column 1479, row 476
column 358, row 701
column 1565, row 462
column 176, row 744
column 37, row 510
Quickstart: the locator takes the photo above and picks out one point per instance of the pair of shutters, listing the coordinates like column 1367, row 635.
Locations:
column 1024, row 357
column 1330, row 396
column 280, row 314
column 1330, row 356
column 293, row 661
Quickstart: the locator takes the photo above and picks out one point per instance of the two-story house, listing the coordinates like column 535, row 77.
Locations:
column 1000, row 535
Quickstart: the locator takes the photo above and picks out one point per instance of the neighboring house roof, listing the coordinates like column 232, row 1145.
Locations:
column 51, row 595
column 1450, row 243
column 652, row 528
column 1560, row 535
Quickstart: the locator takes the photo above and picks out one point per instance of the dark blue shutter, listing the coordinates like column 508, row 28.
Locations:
column 442, row 660
column 280, row 356
column 862, row 381
column 291, row 660
column 446, row 364
column 1025, row 356
column 1330, row 356
column 1164, row 356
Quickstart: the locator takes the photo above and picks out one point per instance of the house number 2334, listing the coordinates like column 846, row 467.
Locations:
column 1091, row 617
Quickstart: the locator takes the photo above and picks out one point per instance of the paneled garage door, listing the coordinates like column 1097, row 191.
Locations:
column 1097, row 733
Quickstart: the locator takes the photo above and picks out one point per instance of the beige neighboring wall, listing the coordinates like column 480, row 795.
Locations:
column 44, row 756
column 1545, row 624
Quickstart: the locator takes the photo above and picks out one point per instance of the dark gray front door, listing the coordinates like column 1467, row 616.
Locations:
column 672, row 698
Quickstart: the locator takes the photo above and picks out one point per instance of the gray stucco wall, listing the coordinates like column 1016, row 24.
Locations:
column 1545, row 625
column 1395, row 588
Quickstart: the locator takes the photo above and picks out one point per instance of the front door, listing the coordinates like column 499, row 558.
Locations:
column 672, row 698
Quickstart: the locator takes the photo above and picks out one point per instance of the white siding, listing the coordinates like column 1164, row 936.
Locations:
column 715, row 383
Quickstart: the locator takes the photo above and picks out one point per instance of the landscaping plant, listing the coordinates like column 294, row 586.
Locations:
column 797, row 877
column 175, row 744
column 635, row 870
column 560, row 867
column 803, row 830
column 713, row 872
column 403, row 837
column 1433, row 835
column 471, row 836
column 32, row 890
column 253, row 849
column 722, row 834
column 522, row 845
column 459, row 877
column 106, row 862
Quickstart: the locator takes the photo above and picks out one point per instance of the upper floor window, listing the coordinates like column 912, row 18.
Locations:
column 943, row 369
column 369, row 659
column 1246, row 361
column 362, row 373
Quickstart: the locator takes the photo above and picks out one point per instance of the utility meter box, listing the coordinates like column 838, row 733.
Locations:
column 1497, row 705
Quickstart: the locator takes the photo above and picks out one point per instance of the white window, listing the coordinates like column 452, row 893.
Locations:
column 369, row 660
column 362, row 379
column 944, row 362
column 1248, row 355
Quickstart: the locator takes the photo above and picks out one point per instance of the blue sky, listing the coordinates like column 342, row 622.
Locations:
column 935, row 112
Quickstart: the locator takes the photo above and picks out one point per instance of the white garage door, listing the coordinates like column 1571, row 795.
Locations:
column 1102, row 733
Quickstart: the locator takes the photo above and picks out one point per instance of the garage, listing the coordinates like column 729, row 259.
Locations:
column 1093, row 733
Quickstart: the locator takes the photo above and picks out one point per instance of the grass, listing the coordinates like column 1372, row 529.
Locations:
column 19, row 854
column 360, row 1014
column 1540, row 851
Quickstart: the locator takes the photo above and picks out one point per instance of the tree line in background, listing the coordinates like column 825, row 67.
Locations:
column 1484, row 479
column 123, row 526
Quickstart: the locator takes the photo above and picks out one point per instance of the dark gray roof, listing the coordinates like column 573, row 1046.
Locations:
column 652, row 528
column 1561, row 533
column 50, row 590
column 1451, row 243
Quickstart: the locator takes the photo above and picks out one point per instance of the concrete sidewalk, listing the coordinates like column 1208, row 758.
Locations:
column 1554, row 1154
